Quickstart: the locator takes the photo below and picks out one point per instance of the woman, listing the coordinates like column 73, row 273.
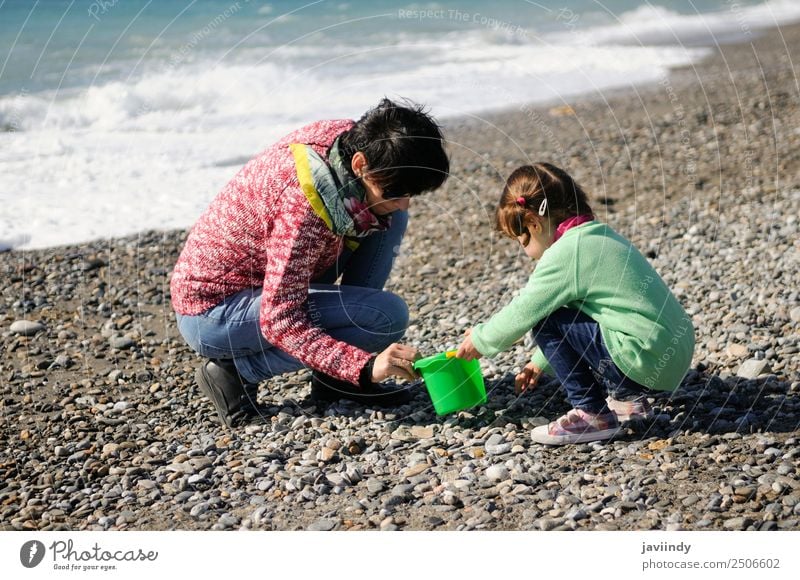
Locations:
column 254, row 289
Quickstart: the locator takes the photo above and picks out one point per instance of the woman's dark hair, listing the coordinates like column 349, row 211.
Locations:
column 404, row 148
column 525, row 191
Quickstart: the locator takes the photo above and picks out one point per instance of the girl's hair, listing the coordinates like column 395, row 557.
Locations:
column 524, row 195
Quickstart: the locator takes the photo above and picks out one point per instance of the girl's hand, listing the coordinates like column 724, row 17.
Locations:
column 395, row 361
column 467, row 350
column 527, row 379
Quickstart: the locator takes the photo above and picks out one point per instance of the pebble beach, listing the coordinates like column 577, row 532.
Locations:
column 103, row 427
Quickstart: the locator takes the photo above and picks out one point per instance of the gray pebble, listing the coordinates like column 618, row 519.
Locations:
column 498, row 449
column 576, row 514
column 751, row 368
column 198, row 510
column 547, row 524
column 738, row 523
column 375, row 486
column 228, row 521
column 26, row 327
column 323, row 525
column 497, row 472
column 122, row 342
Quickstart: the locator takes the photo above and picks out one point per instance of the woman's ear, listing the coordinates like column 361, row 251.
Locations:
column 359, row 163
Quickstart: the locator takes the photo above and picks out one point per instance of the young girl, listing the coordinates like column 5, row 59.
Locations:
column 604, row 321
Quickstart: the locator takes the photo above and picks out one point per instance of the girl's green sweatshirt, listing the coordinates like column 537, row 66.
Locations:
column 593, row 269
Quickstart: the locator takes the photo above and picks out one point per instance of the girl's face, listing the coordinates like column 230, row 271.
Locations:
column 537, row 240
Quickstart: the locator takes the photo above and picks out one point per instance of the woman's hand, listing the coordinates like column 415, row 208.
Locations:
column 467, row 350
column 395, row 361
column 527, row 379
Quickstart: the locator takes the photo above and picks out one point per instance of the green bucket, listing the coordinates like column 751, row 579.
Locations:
column 453, row 383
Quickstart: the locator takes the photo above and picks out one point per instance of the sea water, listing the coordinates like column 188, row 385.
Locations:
column 118, row 116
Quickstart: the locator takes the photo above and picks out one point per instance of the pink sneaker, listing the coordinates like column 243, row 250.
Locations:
column 577, row 426
column 635, row 410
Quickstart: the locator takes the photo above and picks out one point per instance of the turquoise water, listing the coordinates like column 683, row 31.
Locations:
column 70, row 43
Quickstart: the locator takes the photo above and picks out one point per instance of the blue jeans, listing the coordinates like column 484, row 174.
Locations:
column 573, row 345
column 358, row 312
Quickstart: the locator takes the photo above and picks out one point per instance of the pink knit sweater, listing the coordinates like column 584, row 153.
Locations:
column 261, row 231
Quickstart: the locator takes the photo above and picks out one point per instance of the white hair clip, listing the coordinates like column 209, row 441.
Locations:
column 543, row 206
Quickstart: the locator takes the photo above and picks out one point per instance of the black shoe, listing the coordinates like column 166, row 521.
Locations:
column 220, row 382
column 325, row 388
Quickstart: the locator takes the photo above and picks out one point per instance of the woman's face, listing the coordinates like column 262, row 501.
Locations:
column 378, row 204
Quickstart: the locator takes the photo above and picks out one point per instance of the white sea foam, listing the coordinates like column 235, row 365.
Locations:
column 651, row 24
column 207, row 96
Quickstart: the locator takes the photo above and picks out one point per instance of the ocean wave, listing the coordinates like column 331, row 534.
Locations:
column 205, row 96
column 650, row 25
column 197, row 97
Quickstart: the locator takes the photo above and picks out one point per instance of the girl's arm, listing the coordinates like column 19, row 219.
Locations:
column 552, row 286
